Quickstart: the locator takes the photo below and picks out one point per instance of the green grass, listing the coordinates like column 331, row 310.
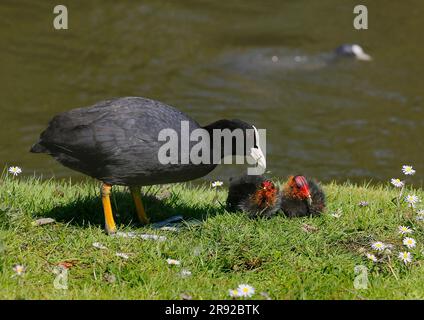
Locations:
column 275, row 256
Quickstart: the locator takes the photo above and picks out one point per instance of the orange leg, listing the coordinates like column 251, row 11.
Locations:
column 135, row 192
column 107, row 208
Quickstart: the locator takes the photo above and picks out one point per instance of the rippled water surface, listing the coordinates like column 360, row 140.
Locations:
column 342, row 120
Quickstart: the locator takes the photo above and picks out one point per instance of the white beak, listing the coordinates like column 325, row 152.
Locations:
column 258, row 156
column 363, row 56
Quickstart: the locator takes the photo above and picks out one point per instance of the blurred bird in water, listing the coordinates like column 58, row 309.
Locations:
column 352, row 50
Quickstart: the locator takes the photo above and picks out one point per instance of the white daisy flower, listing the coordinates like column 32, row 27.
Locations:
column 408, row 170
column 371, row 257
column 173, row 262
column 122, row 255
column 15, row 171
column 397, row 183
column 245, row 290
column 409, row 242
column 19, row 269
column 234, row 293
column 405, row 230
column 405, row 256
column 378, row 245
column 216, row 184
column 412, row 200
column 98, row 245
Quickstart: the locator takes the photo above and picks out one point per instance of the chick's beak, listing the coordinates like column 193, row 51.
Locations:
column 309, row 200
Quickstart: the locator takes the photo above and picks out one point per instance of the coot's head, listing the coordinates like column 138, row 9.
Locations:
column 237, row 138
column 352, row 50
column 297, row 187
column 266, row 195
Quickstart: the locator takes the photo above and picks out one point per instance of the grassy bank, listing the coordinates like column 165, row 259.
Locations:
column 304, row 258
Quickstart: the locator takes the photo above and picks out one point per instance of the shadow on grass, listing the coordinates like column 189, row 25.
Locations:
column 88, row 210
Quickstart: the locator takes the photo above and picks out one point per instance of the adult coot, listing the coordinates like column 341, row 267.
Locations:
column 117, row 142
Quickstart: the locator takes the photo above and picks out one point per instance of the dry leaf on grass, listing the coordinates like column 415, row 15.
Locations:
column 43, row 221
column 309, row 228
column 186, row 296
column 67, row 264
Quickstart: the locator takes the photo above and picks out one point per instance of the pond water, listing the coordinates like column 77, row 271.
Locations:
column 344, row 120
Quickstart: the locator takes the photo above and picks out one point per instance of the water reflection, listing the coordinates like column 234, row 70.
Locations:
column 343, row 120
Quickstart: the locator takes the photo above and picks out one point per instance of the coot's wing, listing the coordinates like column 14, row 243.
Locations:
column 114, row 132
column 85, row 132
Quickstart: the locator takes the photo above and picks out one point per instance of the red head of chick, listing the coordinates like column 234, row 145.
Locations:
column 302, row 197
column 256, row 195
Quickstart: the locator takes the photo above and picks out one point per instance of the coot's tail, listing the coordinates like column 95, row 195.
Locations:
column 38, row 148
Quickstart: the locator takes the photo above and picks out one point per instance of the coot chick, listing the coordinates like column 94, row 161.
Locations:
column 255, row 195
column 302, row 196
column 116, row 141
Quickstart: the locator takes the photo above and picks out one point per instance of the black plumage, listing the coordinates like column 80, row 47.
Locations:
column 255, row 195
column 116, row 141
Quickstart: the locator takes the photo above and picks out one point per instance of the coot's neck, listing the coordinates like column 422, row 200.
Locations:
column 221, row 125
